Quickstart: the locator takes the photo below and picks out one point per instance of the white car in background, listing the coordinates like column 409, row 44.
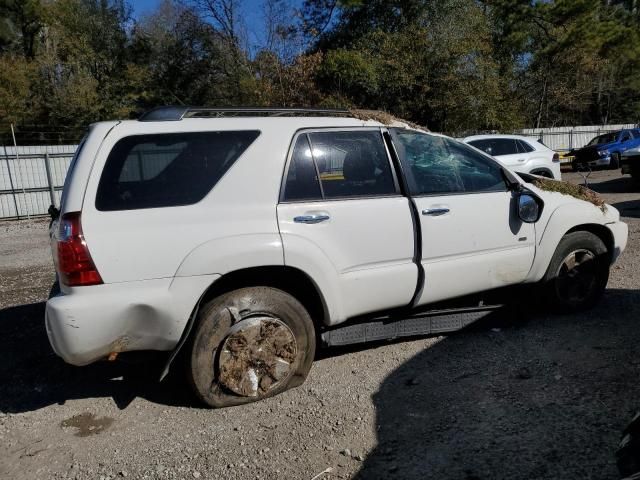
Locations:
column 521, row 154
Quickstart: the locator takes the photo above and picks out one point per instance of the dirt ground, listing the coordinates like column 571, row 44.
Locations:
column 536, row 397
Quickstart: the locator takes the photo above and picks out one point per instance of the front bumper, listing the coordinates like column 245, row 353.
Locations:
column 620, row 232
column 629, row 163
column 600, row 162
column 88, row 323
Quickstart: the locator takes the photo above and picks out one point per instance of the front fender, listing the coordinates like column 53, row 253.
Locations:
column 550, row 230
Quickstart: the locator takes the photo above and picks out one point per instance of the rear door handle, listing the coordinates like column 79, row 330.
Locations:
column 314, row 218
column 435, row 212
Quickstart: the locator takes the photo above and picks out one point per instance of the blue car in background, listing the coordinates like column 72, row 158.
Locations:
column 605, row 150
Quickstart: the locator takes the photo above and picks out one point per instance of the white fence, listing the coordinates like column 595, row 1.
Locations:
column 566, row 138
column 31, row 178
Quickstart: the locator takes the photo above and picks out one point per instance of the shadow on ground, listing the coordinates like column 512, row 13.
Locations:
column 630, row 209
column 544, row 398
column 33, row 377
column 615, row 185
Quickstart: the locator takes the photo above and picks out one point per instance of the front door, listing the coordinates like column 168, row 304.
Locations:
column 472, row 238
column 341, row 216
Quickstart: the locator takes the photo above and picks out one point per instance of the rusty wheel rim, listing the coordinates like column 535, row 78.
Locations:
column 576, row 277
column 256, row 356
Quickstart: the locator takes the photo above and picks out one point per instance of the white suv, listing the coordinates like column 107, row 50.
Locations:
column 244, row 237
column 521, row 154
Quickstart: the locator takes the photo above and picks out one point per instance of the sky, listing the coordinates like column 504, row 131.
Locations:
column 252, row 13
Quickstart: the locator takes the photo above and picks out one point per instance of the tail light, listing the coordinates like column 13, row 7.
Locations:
column 75, row 266
column 556, row 157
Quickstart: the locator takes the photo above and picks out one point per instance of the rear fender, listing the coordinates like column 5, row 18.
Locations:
column 227, row 254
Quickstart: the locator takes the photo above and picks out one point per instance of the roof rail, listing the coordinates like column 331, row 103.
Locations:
column 175, row 113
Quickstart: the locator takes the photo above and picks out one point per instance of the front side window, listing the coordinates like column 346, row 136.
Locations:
column 437, row 165
column 334, row 164
column 606, row 138
column 167, row 170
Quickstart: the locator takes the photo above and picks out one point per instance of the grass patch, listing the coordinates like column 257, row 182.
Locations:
column 577, row 191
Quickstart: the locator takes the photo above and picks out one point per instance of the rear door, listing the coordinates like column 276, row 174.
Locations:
column 341, row 207
column 472, row 239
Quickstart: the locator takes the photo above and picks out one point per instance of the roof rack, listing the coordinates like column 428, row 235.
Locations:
column 176, row 113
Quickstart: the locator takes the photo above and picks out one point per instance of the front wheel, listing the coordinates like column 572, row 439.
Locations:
column 614, row 163
column 578, row 272
column 250, row 344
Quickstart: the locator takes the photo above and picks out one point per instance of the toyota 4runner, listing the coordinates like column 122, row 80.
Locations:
column 244, row 237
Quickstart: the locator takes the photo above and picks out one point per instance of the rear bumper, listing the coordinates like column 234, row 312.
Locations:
column 620, row 232
column 89, row 323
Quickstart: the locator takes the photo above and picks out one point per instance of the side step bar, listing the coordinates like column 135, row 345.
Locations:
column 388, row 328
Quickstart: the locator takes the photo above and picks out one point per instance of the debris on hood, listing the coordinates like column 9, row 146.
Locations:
column 577, row 191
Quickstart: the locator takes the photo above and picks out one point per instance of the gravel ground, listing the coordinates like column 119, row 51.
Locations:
column 537, row 396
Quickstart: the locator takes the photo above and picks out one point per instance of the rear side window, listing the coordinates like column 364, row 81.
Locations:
column 302, row 179
column 167, row 170
column 339, row 165
column 524, row 147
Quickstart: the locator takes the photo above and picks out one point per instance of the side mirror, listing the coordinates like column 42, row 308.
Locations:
column 529, row 207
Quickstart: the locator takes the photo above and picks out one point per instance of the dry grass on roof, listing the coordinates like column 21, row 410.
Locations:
column 384, row 118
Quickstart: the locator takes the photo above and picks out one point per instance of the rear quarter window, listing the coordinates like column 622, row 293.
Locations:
column 167, row 170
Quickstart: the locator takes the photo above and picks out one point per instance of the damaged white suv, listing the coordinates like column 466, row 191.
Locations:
column 244, row 237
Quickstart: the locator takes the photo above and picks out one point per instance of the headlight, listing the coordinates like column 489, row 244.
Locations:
column 603, row 153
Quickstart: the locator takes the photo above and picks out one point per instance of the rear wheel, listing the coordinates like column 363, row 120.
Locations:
column 250, row 344
column 578, row 272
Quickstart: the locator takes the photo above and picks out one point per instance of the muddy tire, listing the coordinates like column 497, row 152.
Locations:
column 250, row 344
column 578, row 273
column 628, row 453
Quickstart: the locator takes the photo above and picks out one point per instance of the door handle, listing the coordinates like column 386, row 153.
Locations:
column 314, row 218
column 521, row 159
column 435, row 212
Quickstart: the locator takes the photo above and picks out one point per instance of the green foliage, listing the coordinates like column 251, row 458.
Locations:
column 451, row 65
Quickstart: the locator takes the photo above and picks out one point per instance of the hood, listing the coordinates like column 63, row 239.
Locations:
column 553, row 200
column 593, row 148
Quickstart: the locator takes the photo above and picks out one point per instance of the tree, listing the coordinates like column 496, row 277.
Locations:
column 22, row 22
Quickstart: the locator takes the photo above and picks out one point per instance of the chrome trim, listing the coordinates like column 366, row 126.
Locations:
column 316, row 218
column 435, row 212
